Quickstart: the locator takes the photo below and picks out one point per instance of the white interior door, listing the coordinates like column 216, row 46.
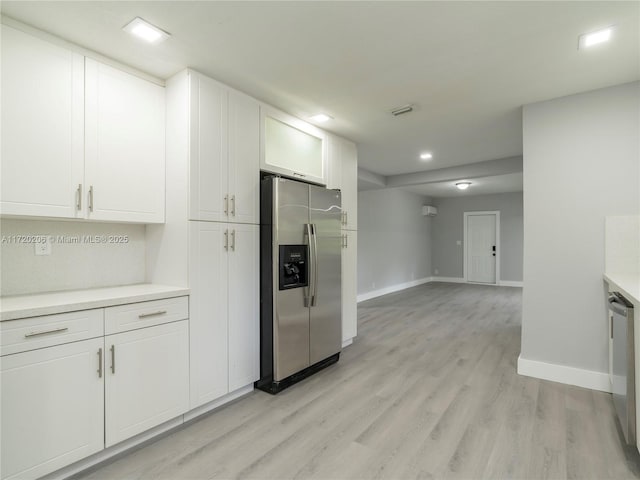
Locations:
column 481, row 248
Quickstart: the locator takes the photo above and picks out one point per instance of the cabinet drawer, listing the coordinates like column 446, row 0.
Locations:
column 145, row 314
column 48, row 330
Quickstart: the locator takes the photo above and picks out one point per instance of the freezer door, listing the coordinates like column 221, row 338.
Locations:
column 325, row 213
column 290, row 315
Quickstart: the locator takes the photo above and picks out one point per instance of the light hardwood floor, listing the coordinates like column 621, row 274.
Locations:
column 428, row 390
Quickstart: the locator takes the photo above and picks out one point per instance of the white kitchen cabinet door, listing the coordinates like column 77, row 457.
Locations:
column 42, row 127
column 146, row 379
column 292, row 147
column 52, row 408
column 334, row 162
column 208, row 349
column 244, row 305
column 349, row 180
column 208, row 197
column 124, row 146
column 244, row 159
column 349, row 285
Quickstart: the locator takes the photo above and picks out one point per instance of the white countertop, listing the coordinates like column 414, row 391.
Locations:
column 627, row 284
column 23, row 306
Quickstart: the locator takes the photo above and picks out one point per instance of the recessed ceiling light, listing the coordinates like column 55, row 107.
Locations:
column 143, row 29
column 426, row 156
column 463, row 185
column 587, row 40
column 321, row 117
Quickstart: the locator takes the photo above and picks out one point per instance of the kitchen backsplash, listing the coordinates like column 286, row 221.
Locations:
column 83, row 255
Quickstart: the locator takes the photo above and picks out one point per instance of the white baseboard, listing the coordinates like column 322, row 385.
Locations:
column 448, row 279
column 393, row 288
column 140, row 439
column 510, row 283
column 207, row 407
column 563, row 374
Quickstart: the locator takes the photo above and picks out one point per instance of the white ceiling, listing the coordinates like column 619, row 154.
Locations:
column 467, row 66
column 479, row 186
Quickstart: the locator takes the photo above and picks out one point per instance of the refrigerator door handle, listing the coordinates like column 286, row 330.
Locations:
column 314, row 294
column 308, row 297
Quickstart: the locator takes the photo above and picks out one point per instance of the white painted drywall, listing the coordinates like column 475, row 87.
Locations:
column 75, row 262
column 393, row 239
column 448, row 228
column 581, row 163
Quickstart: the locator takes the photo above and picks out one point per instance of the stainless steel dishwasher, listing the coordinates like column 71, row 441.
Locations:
column 623, row 364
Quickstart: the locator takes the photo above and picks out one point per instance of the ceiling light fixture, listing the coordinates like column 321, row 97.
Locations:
column 321, row 117
column 587, row 40
column 463, row 185
column 426, row 156
column 143, row 29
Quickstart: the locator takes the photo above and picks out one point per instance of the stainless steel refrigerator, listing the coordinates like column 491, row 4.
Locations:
column 300, row 284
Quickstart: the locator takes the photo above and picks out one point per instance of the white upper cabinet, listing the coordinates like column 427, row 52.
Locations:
column 79, row 139
column 42, row 127
column 292, row 147
column 224, row 153
column 124, row 149
column 343, row 175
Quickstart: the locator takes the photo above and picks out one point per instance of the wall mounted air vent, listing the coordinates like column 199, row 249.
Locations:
column 400, row 110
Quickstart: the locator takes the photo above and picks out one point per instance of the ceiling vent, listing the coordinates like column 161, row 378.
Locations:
column 402, row 110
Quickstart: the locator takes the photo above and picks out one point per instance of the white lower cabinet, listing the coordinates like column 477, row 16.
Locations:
column 224, row 309
column 146, row 379
column 349, row 285
column 52, row 408
column 67, row 391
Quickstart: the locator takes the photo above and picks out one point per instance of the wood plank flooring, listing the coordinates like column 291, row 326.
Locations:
column 428, row 390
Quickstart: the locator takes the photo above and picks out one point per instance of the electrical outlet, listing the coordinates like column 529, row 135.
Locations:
column 436, row 271
column 43, row 247
column 458, row 242
column 373, row 284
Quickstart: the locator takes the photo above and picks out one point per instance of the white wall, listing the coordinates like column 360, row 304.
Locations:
column 581, row 163
column 448, row 227
column 70, row 265
column 393, row 239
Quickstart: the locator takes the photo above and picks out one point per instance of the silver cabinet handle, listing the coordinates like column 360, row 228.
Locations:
column 299, row 175
column 346, row 240
column 346, row 217
column 46, row 332
column 91, row 198
column 226, row 239
column 233, row 205
column 233, row 240
column 99, row 363
column 152, row 314
column 113, row 359
column 79, row 197
column 226, row 204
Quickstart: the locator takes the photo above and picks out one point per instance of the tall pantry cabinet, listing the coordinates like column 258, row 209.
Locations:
column 210, row 242
column 343, row 175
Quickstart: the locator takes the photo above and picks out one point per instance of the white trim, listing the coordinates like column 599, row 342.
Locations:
column 149, row 435
column 117, row 449
column 564, row 374
column 208, row 407
column 510, row 283
column 346, row 343
column 393, row 288
column 448, row 279
column 466, row 216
